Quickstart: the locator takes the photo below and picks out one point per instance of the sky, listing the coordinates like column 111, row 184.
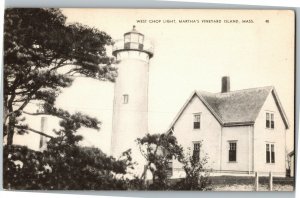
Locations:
column 190, row 56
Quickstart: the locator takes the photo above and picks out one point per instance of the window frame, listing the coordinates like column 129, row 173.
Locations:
column 125, row 98
column 127, row 38
column 195, row 121
column 270, row 120
column 229, row 149
column 198, row 150
column 270, row 153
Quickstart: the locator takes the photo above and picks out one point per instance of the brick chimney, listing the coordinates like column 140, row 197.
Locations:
column 225, row 84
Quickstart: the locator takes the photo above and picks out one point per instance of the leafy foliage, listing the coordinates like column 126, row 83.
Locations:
column 159, row 150
column 64, row 165
column 63, row 168
column 42, row 55
column 196, row 176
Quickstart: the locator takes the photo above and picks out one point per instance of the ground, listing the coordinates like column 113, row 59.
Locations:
column 233, row 183
column 244, row 187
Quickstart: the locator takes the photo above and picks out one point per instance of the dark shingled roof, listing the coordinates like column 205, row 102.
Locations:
column 237, row 106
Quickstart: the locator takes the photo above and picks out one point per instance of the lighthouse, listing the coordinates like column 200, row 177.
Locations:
column 130, row 108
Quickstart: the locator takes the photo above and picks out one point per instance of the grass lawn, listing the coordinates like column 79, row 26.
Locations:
column 245, row 183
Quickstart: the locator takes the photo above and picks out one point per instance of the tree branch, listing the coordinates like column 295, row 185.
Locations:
column 59, row 64
column 35, row 131
column 34, row 114
column 28, row 98
column 43, row 113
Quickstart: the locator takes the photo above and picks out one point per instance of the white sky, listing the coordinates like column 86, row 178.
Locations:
column 190, row 56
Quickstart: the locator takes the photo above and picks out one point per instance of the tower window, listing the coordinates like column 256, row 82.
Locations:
column 125, row 99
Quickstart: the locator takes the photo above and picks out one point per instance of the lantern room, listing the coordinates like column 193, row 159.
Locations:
column 133, row 40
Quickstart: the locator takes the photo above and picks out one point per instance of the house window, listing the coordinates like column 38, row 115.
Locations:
column 196, row 152
column 270, row 153
column 197, row 121
column 232, row 151
column 125, row 98
column 270, row 120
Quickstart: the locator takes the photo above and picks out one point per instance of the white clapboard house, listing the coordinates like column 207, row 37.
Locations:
column 241, row 131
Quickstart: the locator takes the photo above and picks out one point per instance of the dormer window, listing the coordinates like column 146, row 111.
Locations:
column 270, row 120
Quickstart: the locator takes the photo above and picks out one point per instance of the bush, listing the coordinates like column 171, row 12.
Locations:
column 197, row 178
column 71, row 168
column 159, row 150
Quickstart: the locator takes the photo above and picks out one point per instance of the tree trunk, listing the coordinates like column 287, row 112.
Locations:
column 10, row 131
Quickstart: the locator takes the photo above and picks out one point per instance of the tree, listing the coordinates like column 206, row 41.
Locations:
column 196, row 176
column 158, row 150
column 42, row 55
column 64, row 165
column 64, row 168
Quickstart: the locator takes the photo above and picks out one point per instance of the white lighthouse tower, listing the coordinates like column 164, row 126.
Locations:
column 130, row 111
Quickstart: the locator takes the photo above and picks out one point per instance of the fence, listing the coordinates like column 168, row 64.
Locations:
column 259, row 181
column 256, row 183
column 270, row 180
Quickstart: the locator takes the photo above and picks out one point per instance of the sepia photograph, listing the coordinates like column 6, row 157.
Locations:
column 149, row 99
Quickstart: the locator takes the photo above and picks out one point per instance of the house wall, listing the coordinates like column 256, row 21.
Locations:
column 243, row 136
column 209, row 133
column 263, row 135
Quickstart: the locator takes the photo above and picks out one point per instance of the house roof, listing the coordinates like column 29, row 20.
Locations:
column 236, row 108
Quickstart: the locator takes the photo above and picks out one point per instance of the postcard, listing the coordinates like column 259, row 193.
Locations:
column 149, row 99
